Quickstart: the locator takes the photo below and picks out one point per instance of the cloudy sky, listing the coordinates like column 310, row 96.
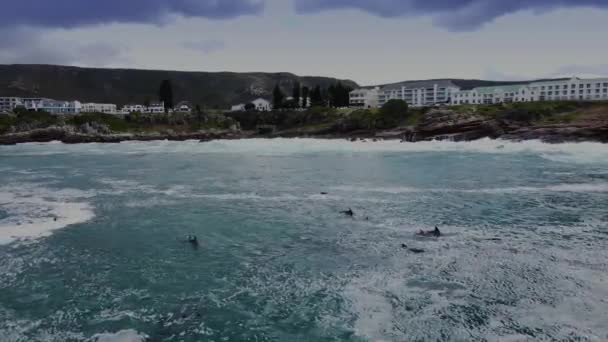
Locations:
column 368, row 41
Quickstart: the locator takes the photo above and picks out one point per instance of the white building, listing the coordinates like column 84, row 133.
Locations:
column 493, row 95
column 106, row 108
column 592, row 89
column 419, row 93
column 156, row 108
column 134, row 108
column 364, row 98
column 262, row 105
column 8, row 104
column 183, row 107
column 52, row 106
column 415, row 93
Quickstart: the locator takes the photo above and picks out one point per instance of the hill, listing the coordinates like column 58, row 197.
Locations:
column 122, row 86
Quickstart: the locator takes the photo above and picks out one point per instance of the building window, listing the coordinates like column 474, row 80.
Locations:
column 588, row 85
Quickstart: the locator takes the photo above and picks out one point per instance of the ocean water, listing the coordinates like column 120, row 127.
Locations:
column 92, row 241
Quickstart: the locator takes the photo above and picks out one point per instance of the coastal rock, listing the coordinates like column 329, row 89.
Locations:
column 446, row 124
column 559, row 133
column 68, row 135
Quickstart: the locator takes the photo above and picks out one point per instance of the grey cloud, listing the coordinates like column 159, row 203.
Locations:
column 455, row 15
column 76, row 13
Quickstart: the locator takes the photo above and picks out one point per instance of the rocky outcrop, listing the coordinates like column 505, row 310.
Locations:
column 445, row 124
column 69, row 135
column 559, row 133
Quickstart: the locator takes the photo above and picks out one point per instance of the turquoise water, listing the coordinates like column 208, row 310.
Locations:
column 91, row 241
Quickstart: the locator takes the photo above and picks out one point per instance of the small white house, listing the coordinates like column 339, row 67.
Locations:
column 183, row 107
column 156, row 108
column 262, row 105
column 133, row 108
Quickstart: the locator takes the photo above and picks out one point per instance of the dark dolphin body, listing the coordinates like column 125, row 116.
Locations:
column 348, row 212
column 436, row 232
column 413, row 250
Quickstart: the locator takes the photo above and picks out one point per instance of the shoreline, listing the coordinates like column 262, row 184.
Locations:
column 550, row 135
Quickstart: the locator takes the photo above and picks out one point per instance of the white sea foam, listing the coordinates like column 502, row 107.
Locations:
column 129, row 335
column 586, row 152
column 35, row 211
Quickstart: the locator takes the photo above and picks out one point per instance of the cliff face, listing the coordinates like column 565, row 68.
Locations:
column 121, row 86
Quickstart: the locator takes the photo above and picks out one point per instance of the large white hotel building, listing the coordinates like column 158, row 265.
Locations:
column 430, row 93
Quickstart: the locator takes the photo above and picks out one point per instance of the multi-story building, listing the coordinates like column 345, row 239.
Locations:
column 106, row 108
column 52, row 106
column 133, row 108
column 364, row 97
column 592, row 89
column 419, row 93
column 8, row 104
column 156, row 108
column 415, row 93
column 492, row 95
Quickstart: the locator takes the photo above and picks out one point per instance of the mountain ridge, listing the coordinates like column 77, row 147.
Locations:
column 123, row 85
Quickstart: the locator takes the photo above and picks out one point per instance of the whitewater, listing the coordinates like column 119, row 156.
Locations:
column 92, row 241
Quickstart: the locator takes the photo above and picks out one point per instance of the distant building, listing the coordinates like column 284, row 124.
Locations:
column 8, row 104
column 494, row 95
column 364, row 98
column 419, row 93
column 183, row 107
column 415, row 93
column 592, row 89
column 260, row 104
column 156, row 108
column 134, row 108
column 52, row 106
column 106, row 108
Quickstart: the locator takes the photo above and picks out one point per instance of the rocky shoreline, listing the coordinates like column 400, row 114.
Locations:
column 436, row 125
column 68, row 136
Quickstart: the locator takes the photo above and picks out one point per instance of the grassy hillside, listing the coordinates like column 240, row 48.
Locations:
column 121, row 86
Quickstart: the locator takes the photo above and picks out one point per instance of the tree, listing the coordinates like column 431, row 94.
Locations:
column 393, row 113
column 277, row 97
column 296, row 93
column 165, row 94
column 199, row 114
column 147, row 102
column 249, row 107
column 305, row 95
column 315, row 97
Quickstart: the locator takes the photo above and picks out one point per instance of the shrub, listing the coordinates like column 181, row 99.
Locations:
column 392, row 113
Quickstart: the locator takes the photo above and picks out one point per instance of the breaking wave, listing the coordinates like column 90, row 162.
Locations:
column 32, row 211
column 585, row 152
